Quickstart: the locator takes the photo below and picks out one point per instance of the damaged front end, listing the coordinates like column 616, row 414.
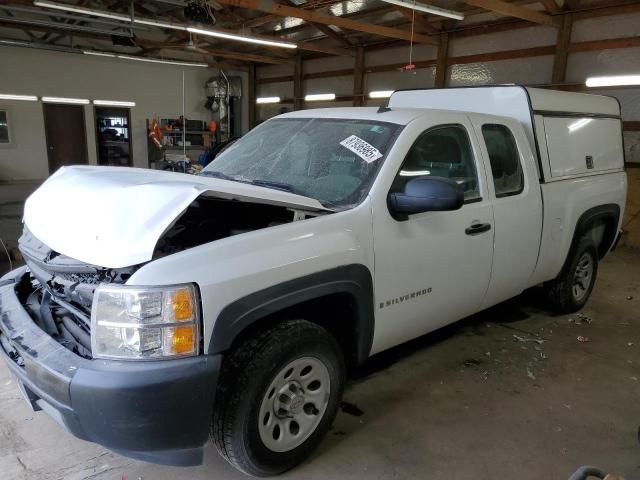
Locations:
column 130, row 217
column 58, row 292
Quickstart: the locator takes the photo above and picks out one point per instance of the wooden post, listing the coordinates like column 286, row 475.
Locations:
column 442, row 61
column 562, row 50
column 298, row 95
column 251, row 96
column 358, row 78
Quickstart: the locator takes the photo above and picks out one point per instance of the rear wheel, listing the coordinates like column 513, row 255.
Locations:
column 570, row 291
column 278, row 394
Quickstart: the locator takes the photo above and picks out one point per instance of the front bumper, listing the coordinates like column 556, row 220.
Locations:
column 157, row 411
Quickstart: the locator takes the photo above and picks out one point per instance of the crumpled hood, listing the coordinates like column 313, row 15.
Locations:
column 113, row 216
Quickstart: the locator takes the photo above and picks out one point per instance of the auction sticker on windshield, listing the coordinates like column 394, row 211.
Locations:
column 364, row 150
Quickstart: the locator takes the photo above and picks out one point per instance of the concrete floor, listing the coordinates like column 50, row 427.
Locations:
column 469, row 402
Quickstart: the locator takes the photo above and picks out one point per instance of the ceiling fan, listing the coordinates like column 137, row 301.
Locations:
column 190, row 46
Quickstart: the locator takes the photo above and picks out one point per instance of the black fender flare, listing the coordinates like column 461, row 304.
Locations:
column 609, row 211
column 354, row 280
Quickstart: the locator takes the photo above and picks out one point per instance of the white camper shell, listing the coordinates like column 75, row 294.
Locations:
column 574, row 134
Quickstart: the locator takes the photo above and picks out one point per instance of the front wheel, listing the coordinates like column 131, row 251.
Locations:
column 278, row 395
column 570, row 291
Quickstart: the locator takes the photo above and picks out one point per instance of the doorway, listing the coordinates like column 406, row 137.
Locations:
column 65, row 134
column 113, row 136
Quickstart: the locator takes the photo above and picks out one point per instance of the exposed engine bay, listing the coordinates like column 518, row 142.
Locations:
column 58, row 292
column 208, row 219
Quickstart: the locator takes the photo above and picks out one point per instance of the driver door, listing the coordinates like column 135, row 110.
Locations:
column 433, row 268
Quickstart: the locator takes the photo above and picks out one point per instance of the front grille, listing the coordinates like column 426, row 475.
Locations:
column 58, row 292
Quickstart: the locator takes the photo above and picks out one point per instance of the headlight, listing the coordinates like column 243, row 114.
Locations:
column 145, row 323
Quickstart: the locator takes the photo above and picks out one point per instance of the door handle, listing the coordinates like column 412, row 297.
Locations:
column 477, row 228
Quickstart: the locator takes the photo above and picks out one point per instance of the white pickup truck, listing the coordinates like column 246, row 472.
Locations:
column 158, row 309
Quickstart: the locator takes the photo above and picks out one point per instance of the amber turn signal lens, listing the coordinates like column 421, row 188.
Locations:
column 182, row 305
column 183, row 340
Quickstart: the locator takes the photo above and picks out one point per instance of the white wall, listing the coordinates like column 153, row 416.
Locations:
column 156, row 89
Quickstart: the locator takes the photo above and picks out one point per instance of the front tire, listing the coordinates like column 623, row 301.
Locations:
column 277, row 396
column 570, row 291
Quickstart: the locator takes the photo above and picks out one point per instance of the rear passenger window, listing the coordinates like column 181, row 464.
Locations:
column 505, row 160
column 441, row 152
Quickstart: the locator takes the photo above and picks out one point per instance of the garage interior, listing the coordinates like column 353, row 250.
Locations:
column 116, row 83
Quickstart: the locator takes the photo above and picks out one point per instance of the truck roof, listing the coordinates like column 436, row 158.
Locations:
column 400, row 116
column 505, row 100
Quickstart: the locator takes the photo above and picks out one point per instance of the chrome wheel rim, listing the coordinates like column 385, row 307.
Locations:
column 582, row 277
column 294, row 404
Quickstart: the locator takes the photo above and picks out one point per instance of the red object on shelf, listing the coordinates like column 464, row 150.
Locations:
column 409, row 67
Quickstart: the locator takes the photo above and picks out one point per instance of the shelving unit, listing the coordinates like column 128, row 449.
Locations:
column 171, row 139
column 113, row 136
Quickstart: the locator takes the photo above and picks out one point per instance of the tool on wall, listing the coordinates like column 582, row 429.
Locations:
column 223, row 98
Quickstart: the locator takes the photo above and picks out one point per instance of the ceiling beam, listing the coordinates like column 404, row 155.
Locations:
column 607, row 9
column 255, row 22
column 246, row 57
column 606, row 44
column 269, row 6
column 571, row 4
column 6, row 23
column 321, row 46
column 333, row 35
column 510, row 10
column 216, row 52
column 325, row 29
column 420, row 20
column 550, row 6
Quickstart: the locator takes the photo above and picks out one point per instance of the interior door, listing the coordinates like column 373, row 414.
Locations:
column 433, row 268
column 66, row 135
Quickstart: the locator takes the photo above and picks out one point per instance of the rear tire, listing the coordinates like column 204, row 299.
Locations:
column 570, row 291
column 277, row 396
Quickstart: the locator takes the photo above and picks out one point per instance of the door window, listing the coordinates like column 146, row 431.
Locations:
column 442, row 152
column 505, row 160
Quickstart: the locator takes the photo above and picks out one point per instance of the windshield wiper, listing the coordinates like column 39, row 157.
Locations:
column 274, row 184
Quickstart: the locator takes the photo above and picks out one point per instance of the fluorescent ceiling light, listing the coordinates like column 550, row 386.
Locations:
column 442, row 12
column 317, row 97
column 99, row 54
column 113, row 103
column 380, row 94
column 613, row 81
column 241, row 38
column 29, row 98
column 85, row 11
column 155, row 23
column 75, row 101
column 16, row 43
column 144, row 59
column 263, row 100
column 157, row 60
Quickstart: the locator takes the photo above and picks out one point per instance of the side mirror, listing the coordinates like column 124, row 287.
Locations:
column 426, row 194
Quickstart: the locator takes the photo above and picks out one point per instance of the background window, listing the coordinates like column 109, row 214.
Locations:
column 4, row 127
column 442, row 152
column 504, row 158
